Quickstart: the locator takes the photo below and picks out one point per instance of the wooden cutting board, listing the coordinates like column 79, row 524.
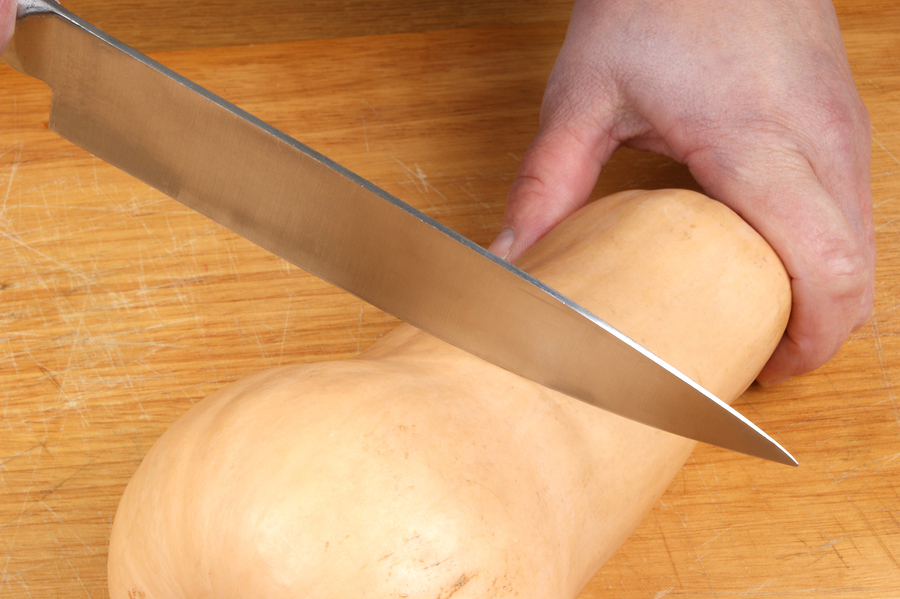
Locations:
column 120, row 308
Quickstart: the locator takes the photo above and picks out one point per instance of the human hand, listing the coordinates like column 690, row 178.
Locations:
column 7, row 21
column 757, row 99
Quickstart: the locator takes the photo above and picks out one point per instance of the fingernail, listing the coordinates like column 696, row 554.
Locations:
column 503, row 243
column 773, row 382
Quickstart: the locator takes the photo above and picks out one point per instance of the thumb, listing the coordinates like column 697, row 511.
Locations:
column 556, row 177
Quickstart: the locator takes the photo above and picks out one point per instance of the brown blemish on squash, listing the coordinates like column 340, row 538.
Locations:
column 462, row 581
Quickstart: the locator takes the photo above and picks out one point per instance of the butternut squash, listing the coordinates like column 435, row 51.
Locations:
column 417, row 470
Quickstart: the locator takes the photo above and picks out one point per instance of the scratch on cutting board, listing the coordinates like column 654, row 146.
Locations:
column 78, row 576
column 48, row 509
column 875, row 535
column 284, row 329
column 465, row 185
column 876, row 137
column 23, row 245
column 15, row 535
column 814, row 519
column 877, row 87
column 419, row 178
column 365, row 130
column 699, row 558
column 706, row 488
column 885, row 372
column 890, row 458
column 53, row 377
column 830, row 543
column 231, row 253
column 359, row 320
column 254, row 334
column 890, row 221
column 756, row 590
column 12, row 175
column 665, row 541
column 365, row 123
column 716, row 537
column 715, row 500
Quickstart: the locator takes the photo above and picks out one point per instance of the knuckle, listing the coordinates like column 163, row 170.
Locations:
column 843, row 121
column 844, row 282
column 812, row 349
column 845, row 270
column 841, row 130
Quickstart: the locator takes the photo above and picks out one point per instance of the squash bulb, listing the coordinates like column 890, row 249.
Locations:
column 417, row 470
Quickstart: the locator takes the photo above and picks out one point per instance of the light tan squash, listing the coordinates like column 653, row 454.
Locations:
column 416, row 470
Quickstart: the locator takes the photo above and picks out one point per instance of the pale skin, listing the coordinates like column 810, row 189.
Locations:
column 7, row 21
column 756, row 98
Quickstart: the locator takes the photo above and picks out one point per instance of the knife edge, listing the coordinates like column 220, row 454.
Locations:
column 277, row 192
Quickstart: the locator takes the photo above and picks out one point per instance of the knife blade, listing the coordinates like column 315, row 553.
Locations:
column 195, row 147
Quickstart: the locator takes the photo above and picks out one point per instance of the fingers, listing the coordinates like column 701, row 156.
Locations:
column 7, row 21
column 556, row 176
column 830, row 261
column 831, row 294
column 763, row 109
column 560, row 168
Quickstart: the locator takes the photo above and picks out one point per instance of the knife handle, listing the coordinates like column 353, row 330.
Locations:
column 17, row 47
column 27, row 8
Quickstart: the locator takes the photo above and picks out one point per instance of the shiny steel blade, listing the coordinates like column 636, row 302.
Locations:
column 165, row 130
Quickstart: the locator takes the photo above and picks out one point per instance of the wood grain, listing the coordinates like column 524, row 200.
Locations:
column 169, row 25
column 120, row 308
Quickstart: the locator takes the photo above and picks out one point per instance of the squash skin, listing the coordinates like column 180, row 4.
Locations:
column 417, row 470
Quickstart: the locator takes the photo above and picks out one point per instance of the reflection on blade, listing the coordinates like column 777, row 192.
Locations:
column 278, row 193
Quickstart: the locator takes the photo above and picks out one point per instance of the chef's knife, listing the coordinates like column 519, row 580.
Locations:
column 221, row 161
